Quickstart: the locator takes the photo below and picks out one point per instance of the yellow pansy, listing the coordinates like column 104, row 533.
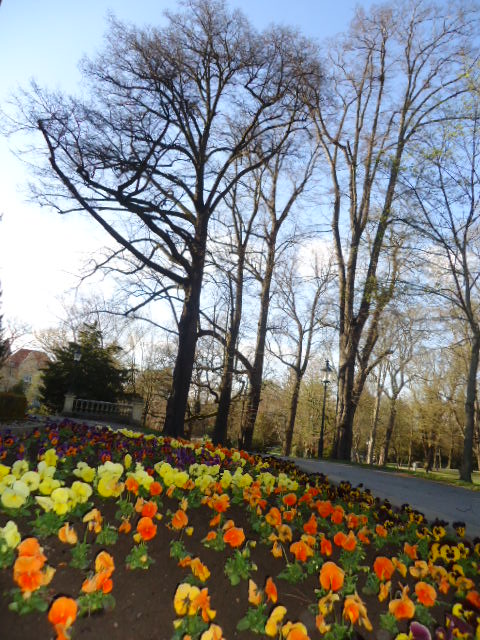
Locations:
column 273, row 623
column 11, row 499
column 226, row 479
column 109, row 486
column 19, row 468
column 81, row 491
column 9, row 535
column 62, row 500
column 47, row 485
column 4, row 470
column 31, row 479
column 184, row 596
column 203, row 482
column 44, row 470
column 45, row 502
column 127, row 461
column 180, row 479
column 110, row 468
column 84, row 472
column 51, row 458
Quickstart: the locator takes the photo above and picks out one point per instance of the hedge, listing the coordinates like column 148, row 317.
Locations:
column 12, row 406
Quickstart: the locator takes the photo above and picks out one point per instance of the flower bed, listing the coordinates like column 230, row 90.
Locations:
column 116, row 534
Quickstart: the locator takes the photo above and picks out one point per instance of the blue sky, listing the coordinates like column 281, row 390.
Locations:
column 40, row 251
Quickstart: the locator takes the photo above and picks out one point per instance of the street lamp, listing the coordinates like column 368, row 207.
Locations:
column 77, row 356
column 327, row 370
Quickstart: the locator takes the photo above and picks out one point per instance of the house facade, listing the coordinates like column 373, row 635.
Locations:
column 24, row 366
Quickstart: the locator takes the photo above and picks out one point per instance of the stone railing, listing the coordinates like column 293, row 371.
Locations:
column 128, row 413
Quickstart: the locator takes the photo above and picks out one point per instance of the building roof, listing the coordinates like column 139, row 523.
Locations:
column 19, row 357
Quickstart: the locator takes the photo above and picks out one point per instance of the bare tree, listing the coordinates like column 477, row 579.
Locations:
column 445, row 192
column 301, row 315
column 172, row 122
column 390, row 75
column 280, row 184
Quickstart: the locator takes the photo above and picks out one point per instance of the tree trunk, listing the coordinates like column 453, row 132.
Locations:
column 187, row 341
column 292, row 414
column 467, row 458
column 347, row 402
column 376, row 414
column 256, row 374
column 224, row 402
column 383, row 459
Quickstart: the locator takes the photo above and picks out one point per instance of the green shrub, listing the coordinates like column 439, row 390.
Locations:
column 12, row 406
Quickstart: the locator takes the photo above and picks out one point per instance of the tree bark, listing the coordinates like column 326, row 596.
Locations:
column 187, row 338
column 466, row 467
column 292, row 414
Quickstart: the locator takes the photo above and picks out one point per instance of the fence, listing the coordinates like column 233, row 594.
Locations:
column 129, row 413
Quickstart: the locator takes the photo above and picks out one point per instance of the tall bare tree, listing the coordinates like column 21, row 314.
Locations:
column 390, row 75
column 171, row 122
column 302, row 314
column 446, row 196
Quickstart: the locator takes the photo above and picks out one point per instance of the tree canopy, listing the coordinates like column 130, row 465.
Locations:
column 97, row 375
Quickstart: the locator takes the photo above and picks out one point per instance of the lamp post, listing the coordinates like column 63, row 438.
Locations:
column 327, row 370
column 77, row 356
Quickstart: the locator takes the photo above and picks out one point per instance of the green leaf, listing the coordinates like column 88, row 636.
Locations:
column 38, row 601
column 107, row 536
column 80, row 556
column 293, row 573
column 47, row 524
column 389, row 623
column 96, row 601
column 138, row 558
column 254, row 620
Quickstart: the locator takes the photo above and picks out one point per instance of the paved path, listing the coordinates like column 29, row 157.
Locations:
column 433, row 499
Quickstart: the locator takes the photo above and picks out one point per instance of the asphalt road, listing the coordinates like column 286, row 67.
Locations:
column 433, row 499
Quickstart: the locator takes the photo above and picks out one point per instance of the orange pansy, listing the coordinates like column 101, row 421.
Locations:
column 234, row 537
column 337, row 514
column 288, row 516
column 131, row 485
column 125, row 527
column 211, row 535
column 383, row 568
column 426, row 594
column 274, row 517
column 402, row 608
column 331, row 576
column 339, row 538
column 352, row 521
column 381, row 531
column 326, row 548
column 271, row 591
column 215, row 520
column 289, row 499
column 311, row 526
column 179, row 520
column 199, row 569
column 62, row 615
column 30, row 547
column 67, row 534
column 410, row 550
column 301, row 551
column 324, row 508
column 284, row 533
column 277, row 550
column 104, row 562
column 254, row 595
column 473, row 597
column 146, row 528
column 155, row 488
column 149, row 509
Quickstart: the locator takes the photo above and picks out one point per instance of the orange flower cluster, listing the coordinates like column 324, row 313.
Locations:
column 101, row 580
column 29, row 571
